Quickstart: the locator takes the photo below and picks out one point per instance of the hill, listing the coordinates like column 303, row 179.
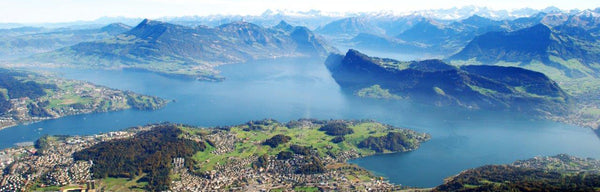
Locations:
column 179, row 50
column 350, row 26
column 556, row 173
column 435, row 82
column 28, row 97
column 26, row 41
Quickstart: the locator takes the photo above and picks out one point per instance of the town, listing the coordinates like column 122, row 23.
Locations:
column 52, row 166
column 50, row 163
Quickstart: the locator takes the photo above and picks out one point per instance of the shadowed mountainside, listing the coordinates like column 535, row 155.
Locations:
column 435, row 82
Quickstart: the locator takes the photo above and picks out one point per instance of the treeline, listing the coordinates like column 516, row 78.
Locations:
column 306, row 122
column 510, row 178
column 145, row 102
column 313, row 165
column 303, row 122
column 37, row 109
column 44, row 142
column 4, row 104
column 300, row 150
column 150, row 152
column 16, row 88
column 260, row 124
column 261, row 162
column 277, row 140
column 337, row 128
column 393, row 141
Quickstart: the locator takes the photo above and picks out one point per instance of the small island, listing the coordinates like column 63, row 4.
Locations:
column 301, row 155
column 27, row 97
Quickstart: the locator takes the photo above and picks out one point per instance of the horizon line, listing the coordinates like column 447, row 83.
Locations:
column 339, row 14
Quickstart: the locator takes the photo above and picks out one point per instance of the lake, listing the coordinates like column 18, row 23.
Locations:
column 286, row 89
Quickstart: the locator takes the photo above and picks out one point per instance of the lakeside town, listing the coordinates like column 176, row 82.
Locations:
column 52, row 166
column 26, row 167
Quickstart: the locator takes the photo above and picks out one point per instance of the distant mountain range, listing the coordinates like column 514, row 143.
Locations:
column 419, row 34
column 190, row 51
column 435, row 82
column 311, row 18
column 465, row 35
column 26, row 41
column 573, row 49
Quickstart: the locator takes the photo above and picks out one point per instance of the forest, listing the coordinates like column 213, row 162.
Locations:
column 149, row 152
column 276, row 140
column 511, row 178
column 336, row 128
column 393, row 141
column 313, row 166
column 16, row 88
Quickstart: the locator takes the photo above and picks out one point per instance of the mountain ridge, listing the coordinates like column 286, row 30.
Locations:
column 438, row 83
column 179, row 50
column 554, row 47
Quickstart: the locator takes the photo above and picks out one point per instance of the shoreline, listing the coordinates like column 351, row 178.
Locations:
column 219, row 147
column 18, row 123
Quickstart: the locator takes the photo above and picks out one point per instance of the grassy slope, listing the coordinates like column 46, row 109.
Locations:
column 573, row 86
column 251, row 146
column 585, row 88
column 69, row 94
column 376, row 92
column 252, row 141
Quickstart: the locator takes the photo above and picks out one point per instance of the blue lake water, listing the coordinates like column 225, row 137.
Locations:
column 287, row 89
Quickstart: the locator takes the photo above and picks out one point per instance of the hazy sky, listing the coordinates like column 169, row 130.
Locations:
column 71, row 10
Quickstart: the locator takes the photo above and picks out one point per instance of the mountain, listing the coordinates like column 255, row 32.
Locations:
column 26, row 41
column 588, row 20
column 427, row 31
column 384, row 43
column 350, row 26
column 311, row 19
column 480, row 24
column 180, row 50
column 76, row 25
column 572, row 50
column 426, row 35
column 585, row 19
column 435, row 82
column 284, row 26
column 115, row 28
column 448, row 38
column 418, row 35
column 444, row 37
column 386, row 19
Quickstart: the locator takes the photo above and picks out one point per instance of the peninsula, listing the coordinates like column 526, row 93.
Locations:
column 29, row 97
column 303, row 154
